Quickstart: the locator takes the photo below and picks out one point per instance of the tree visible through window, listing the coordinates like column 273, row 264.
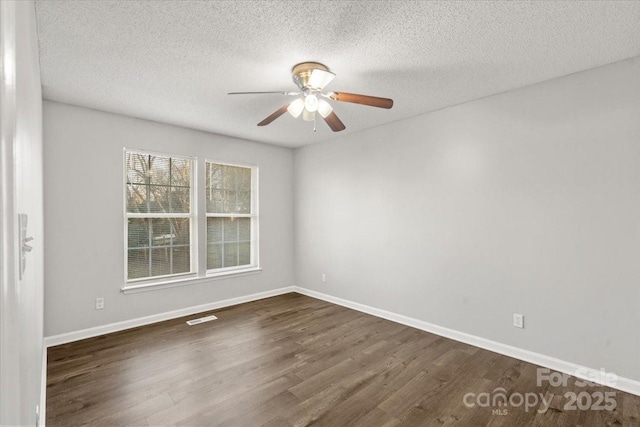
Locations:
column 159, row 215
column 231, row 219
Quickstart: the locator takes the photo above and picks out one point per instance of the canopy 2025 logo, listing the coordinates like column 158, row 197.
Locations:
column 583, row 400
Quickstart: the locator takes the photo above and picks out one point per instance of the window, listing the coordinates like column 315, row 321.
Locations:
column 231, row 217
column 159, row 215
column 162, row 246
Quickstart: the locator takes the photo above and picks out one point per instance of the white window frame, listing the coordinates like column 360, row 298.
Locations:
column 254, row 264
column 198, row 239
column 193, row 223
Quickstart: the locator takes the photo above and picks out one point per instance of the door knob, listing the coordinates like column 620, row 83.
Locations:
column 24, row 248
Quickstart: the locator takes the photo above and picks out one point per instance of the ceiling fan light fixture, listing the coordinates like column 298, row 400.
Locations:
column 311, row 102
column 324, row 108
column 296, row 107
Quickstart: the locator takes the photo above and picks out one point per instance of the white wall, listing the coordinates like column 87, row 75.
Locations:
column 21, row 301
column 84, row 222
column 524, row 202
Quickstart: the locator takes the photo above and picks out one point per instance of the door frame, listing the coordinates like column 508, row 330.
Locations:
column 9, row 399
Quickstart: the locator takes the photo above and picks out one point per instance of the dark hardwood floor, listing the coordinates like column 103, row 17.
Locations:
column 292, row 360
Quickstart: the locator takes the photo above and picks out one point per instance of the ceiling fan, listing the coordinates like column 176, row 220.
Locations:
column 311, row 78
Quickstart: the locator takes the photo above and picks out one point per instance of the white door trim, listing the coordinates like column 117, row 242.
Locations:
column 9, row 402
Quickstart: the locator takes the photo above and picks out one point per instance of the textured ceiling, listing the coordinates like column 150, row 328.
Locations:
column 174, row 61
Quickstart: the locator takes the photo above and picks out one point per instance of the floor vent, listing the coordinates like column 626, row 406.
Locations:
column 201, row 320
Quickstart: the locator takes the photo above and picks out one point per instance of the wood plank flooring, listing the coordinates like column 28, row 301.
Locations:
column 292, row 360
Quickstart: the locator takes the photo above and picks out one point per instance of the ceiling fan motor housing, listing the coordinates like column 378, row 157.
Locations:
column 301, row 73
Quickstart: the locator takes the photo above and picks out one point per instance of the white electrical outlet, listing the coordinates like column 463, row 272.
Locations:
column 99, row 303
column 518, row 320
column 324, row 278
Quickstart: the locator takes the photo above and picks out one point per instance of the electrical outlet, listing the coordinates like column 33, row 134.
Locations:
column 99, row 303
column 324, row 278
column 518, row 320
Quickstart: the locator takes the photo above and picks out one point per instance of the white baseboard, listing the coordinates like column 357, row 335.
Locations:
column 141, row 321
column 43, row 390
column 624, row 384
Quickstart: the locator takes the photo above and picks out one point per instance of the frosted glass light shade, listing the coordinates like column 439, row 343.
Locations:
column 311, row 103
column 308, row 115
column 296, row 107
column 320, row 78
column 324, row 108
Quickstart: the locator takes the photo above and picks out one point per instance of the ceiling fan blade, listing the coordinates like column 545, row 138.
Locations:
column 334, row 122
column 354, row 98
column 262, row 93
column 280, row 111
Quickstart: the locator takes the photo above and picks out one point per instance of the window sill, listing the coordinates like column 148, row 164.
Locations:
column 153, row 286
